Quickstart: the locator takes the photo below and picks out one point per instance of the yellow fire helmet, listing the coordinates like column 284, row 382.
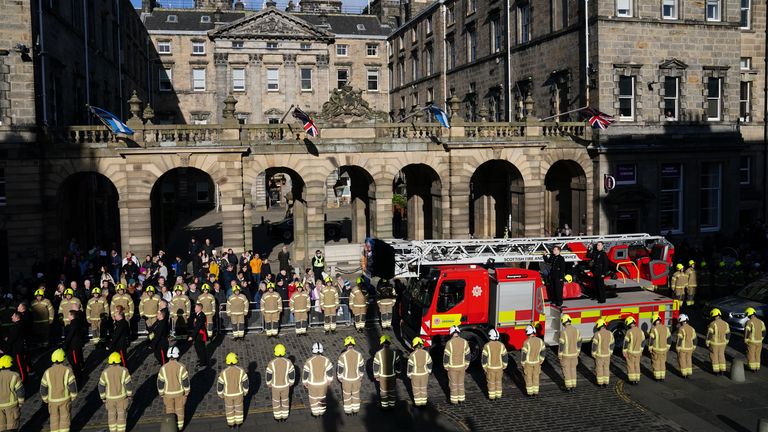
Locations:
column 565, row 318
column 680, row 266
column 115, row 358
column 568, row 278
column 150, row 289
column 58, row 356
column 691, row 262
column 349, row 340
column 299, row 285
column 722, row 264
column 5, row 362
column 417, row 342
column 96, row 290
column 629, row 321
column 359, row 280
column 236, row 289
column 328, row 279
column 270, row 285
column 750, row 311
column 40, row 292
column 119, row 287
column 178, row 288
column 655, row 317
column 384, row 339
column 600, row 323
column 69, row 291
column 205, row 288
column 232, row 358
column 279, row 350
column 715, row 312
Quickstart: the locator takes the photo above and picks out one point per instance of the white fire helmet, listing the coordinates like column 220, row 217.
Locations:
column 529, row 330
column 173, row 352
column 317, row 348
column 682, row 318
column 453, row 330
column 493, row 335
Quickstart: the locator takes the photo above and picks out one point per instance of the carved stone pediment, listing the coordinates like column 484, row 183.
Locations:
column 347, row 105
column 271, row 24
column 673, row 63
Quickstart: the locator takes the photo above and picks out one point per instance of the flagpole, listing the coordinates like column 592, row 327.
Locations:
column 286, row 113
column 413, row 114
column 567, row 112
column 93, row 113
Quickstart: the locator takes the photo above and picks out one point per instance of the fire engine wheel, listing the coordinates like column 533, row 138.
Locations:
column 475, row 342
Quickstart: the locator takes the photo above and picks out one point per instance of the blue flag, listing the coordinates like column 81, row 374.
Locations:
column 111, row 121
column 440, row 116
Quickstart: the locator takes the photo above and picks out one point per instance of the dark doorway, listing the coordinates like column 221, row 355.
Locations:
column 88, row 211
column 496, row 202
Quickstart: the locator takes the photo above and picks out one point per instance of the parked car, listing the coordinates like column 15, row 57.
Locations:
column 753, row 295
column 284, row 229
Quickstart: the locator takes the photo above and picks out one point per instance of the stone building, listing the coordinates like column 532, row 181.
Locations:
column 268, row 59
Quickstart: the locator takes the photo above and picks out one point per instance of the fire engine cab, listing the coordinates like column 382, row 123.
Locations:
column 498, row 283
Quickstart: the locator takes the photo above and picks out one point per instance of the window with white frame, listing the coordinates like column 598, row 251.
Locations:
column 745, row 19
column 272, row 45
column 342, row 50
column 306, row 79
column 450, row 48
column 342, row 77
column 669, row 9
column 428, row 61
column 414, row 35
column 523, row 23
column 372, row 50
column 238, row 79
column 471, row 6
column 745, row 170
column 471, row 45
column 273, row 79
column 400, row 43
column 671, row 98
column 198, row 80
column 198, row 48
column 305, row 46
column 238, row 44
column 414, row 67
column 624, row 8
column 714, row 98
column 745, row 101
column 400, row 73
column 710, row 196
column 428, row 25
column 450, row 16
column 430, row 95
column 495, row 35
column 165, row 79
column 3, row 198
column 713, row 10
column 205, row 19
column 745, row 63
column 671, row 198
column 373, row 80
column 627, row 98
column 164, row 47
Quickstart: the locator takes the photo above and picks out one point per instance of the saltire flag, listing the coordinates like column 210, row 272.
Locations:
column 111, row 121
column 440, row 115
column 309, row 125
column 598, row 119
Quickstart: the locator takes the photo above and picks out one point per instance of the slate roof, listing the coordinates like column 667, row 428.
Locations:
column 188, row 19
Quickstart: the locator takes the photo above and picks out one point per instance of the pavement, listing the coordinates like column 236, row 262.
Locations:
column 705, row 402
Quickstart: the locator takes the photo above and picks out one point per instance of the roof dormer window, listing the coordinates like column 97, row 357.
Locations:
column 205, row 19
column 172, row 19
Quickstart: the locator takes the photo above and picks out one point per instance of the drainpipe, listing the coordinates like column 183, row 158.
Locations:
column 87, row 66
column 121, row 102
column 509, row 65
column 586, row 52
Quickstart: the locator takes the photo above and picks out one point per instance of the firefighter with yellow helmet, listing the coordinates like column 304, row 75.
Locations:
column 42, row 316
column 532, row 359
column 494, row 360
column 149, row 304
column 179, row 310
column 95, row 311
column 115, row 390
column 718, row 335
column 232, row 386
column 570, row 346
column 281, row 375
column 121, row 299
column 237, row 309
column 385, row 369
column 456, row 361
column 634, row 341
column 419, row 369
column 300, row 304
column 329, row 302
column 692, row 283
column 58, row 389
column 754, row 333
column 11, row 395
column 685, row 346
column 271, row 307
column 678, row 283
column 603, row 343
column 358, row 303
column 209, row 307
column 386, row 302
column 350, row 370
column 659, row 341
column 68, row 303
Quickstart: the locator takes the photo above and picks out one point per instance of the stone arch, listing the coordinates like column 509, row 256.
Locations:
column 87, row 211
column 351, row 189
column 497, row 200
column 419, row 217
column 566, row 197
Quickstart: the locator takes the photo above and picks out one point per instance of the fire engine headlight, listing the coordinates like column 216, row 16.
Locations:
column 737, row 315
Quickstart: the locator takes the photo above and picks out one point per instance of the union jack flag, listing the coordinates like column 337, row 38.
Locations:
column 309, row 125
column 598, row 119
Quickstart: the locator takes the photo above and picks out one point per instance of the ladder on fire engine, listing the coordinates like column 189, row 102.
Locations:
column 411, row 255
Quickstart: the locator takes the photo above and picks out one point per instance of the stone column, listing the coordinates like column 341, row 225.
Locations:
column 289, row 79
column 381, row 208
column 231, row 201
column 358, row 219
column 323, row 81
column 136, row 225
column 255, row 88
column 534, row 208
column 315, row 200
column 415, row 217
column 222, row 83
column 459, row 195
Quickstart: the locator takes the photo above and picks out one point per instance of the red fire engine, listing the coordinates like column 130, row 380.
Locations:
column 464, row 283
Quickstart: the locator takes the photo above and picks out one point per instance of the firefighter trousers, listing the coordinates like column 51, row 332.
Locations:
column 659, row 363
column 117, row 410
column 691, row 296
column 150, row 321
column 238, row 325
column 680, row 294
column 302, row 321
column 9, row 418
column 753, row 356
column 456, row 384
column 317, row 394
column 531, row 372
column 633, row 367
column 329, row 319
column 603, row 370
column 281, row 405
column 717, row 357
column 493, row 378
column 685, row 361
column 387, row 387
column 360, row 319
column 351, row 393
column 209, row 323
column 419, row 386
column 59, row 412
column 271, row 323
column 233, row 409
column 569, row 363
column 175, row 405
column 96, row 331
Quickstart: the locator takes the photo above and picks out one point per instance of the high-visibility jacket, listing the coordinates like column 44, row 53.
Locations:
column 232, row 382
column 115, row 383
column 42, row 311
column 659, row 338
column 495, row 355
column 209, row 303
column 280, row 373
column 299, row 302
column 419, row 363
column 456, row 354
column 602, row 343
column 318, row 370
column 318, row 261
column 351, row 365
column 271, row 302
column 357, row 299
column 690, row 272
column 686, row 338
column 95, row 308
column 329, row 297
column 678, row 281
column 58, row 384
column 149, row 305
column 173, row 379
column 11, row 389
column 634, row 341
column 237, row 304
column 718, row 332
column 570, row 342
column 67, row 305
column 754, row 331
column 533, row 350
column 385, row 363
column 180, row 303
column 124, row 300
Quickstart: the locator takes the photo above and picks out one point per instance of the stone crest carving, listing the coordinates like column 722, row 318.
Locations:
column 220, row 58
column 271, row 24
column 347, row 105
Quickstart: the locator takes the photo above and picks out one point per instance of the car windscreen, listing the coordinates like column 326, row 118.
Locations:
column 756, row 291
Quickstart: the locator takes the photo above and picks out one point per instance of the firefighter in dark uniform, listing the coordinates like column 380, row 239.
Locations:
column 318, row 265
column 386, row 302
column 73, row 343
column 121, row 335
column 15, row 345
column 556, row 275
column 600, row 264
column 199, row 335
column 158, row 337
column 419, row 369
column 385, row 370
